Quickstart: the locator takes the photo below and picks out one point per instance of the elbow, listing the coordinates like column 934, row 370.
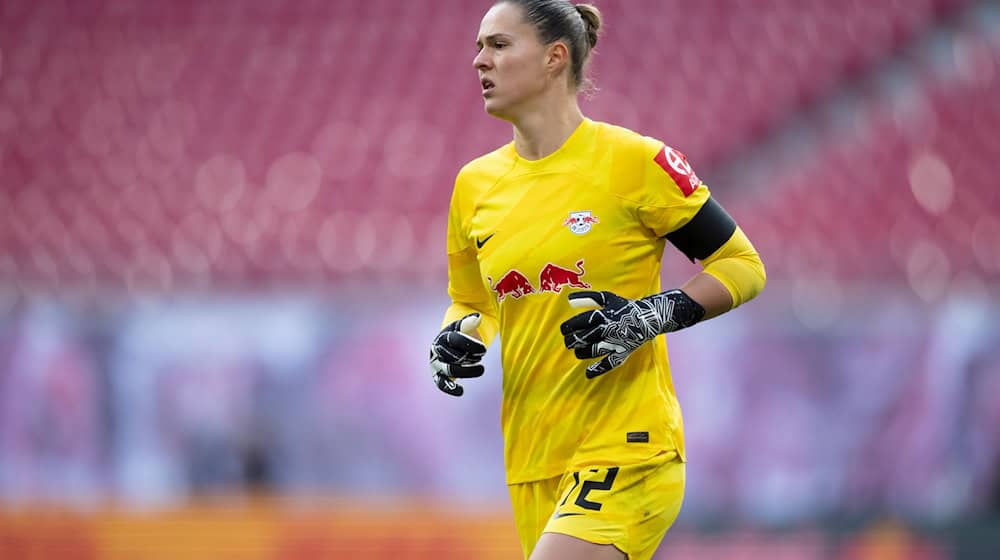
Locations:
column 755, row 278
column 739, row 267
column 744, row 276
column 761, row 276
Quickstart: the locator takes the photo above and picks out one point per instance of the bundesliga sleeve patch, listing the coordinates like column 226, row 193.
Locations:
column 677, row 166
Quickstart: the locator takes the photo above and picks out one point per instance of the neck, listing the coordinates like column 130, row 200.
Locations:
column 542, row 132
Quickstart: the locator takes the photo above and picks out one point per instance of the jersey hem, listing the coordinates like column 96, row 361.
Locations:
column 569, row 467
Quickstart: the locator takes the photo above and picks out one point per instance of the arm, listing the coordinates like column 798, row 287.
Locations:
column 468, row 295
column 733, row 275
column 465, row 283
column 708, row 292
column 733, row 272
column 673, row 203
column 470, row 322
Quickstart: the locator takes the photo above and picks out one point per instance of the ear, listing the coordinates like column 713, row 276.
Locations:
column 557, row 57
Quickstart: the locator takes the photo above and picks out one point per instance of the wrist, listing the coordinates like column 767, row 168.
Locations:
column 675, row 310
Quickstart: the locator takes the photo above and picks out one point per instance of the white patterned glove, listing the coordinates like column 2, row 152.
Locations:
column 621, row 325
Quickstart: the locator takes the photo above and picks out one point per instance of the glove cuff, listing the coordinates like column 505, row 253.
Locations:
column 676, row 310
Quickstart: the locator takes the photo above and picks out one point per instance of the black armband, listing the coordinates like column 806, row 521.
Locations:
column 676, row 310
column 708, row 230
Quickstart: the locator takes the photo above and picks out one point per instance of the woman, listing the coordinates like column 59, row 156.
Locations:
column 575, row 214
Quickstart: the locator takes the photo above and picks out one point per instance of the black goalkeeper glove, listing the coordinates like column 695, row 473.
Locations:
column 456, row 354
column 622, row 325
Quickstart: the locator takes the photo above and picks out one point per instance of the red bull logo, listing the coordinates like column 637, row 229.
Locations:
column 581, row 222
column 513, row 284
column 552, row 278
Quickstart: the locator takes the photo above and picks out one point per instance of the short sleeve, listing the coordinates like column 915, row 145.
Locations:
column 671, row 192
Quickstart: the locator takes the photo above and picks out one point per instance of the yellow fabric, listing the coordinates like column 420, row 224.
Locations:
column 641, row 504
column 514, row 257
column 738, row 267
column 468, row 296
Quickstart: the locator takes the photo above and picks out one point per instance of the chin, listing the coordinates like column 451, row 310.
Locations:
column 495, row 109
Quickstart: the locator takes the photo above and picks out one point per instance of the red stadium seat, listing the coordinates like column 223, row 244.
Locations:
column 110, row 114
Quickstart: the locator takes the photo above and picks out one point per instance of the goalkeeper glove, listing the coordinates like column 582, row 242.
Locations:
column 456, row 354
column 622, row 325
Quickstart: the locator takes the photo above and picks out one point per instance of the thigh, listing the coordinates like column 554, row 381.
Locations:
column 533, row 503
column 557, row 546
column 665, row 489
column 630, row 507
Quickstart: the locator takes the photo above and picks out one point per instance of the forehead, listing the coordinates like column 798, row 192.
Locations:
column 503, row 19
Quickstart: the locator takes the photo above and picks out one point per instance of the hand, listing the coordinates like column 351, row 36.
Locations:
column 622, row 325
column 456, row 354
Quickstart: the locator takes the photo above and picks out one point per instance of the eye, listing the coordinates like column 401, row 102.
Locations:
column 499, row 46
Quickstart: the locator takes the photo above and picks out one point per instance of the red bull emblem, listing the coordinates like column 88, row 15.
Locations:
column 581, row 222
column 554, row 277
column 513, row 284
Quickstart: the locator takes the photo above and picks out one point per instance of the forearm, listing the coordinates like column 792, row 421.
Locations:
column 489, row 326
column 468, row 295
column 709, row 293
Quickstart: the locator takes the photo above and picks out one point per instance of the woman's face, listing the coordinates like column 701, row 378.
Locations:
column 511, row 61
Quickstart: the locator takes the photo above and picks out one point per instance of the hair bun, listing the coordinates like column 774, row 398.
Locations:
column 592, row 20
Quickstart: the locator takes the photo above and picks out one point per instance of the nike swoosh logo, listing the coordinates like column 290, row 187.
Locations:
column 558, row 515
column 479, row 244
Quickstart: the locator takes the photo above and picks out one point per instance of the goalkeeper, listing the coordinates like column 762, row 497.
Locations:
column 554, row 245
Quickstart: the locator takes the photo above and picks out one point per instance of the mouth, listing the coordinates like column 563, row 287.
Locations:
column 487, row 85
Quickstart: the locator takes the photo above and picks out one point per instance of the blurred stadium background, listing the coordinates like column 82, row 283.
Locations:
column 222, row 258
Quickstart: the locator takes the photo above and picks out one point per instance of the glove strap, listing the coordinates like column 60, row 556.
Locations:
column 676, row 310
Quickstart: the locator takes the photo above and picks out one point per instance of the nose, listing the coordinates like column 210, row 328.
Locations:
column 481, row 61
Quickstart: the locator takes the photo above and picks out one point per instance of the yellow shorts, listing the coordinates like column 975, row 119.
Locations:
column 631, row 506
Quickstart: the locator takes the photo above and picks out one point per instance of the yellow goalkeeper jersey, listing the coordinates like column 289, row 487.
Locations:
column 522, row 235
